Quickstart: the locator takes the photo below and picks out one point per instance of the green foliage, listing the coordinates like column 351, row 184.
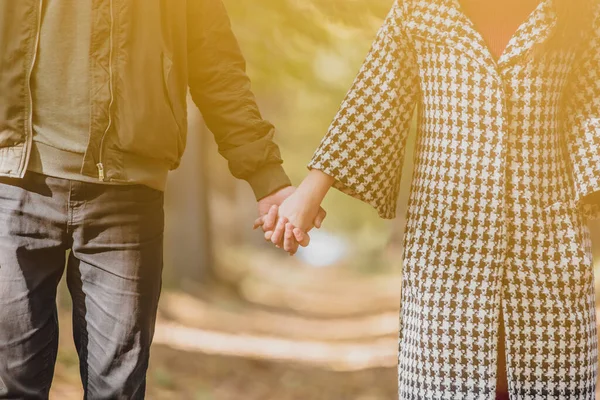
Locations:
column 164, row 379
column 280, row 38
column 204, row 393
column 302, row 58
column 69, row 360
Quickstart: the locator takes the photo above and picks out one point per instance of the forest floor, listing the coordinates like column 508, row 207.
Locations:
column 177, row 374
column 264, row 333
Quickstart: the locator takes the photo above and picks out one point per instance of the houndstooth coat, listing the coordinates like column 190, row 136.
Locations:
column 505, row 151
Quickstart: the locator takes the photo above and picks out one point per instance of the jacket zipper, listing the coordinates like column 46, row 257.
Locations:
column 100, row 164
column 29, row 134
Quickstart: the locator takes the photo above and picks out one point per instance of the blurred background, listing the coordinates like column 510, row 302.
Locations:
column 238, row 318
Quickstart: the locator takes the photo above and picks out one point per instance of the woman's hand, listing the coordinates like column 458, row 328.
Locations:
column 297, row 216
column 288, row 225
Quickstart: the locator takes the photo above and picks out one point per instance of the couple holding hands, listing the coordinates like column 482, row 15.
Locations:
column 497, row 281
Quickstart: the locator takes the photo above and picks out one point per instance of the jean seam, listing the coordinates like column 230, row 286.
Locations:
column 70, row 208
column 83, row 358
column 47, row 366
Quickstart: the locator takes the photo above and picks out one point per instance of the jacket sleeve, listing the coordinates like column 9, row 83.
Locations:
column 221, row 89
column 582, row 116
column 364, row 146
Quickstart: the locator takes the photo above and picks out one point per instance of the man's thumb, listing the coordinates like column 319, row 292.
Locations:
column 301, row 237
column 320, row 218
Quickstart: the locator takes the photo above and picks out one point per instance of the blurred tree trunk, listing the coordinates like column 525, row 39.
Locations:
column 188, row 245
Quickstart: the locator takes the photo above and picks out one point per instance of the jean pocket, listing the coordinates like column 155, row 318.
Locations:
column 13, row 196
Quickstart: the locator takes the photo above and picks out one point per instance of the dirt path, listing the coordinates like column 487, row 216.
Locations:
column 182, row 375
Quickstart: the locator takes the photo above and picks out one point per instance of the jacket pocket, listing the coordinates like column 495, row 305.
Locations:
column 167, row 66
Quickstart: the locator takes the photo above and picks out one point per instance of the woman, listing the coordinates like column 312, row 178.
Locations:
column 497, row 253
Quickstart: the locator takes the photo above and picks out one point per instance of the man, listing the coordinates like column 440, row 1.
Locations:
column 92, row 118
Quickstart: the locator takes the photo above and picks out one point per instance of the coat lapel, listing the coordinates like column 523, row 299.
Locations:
column 444, row 21
column 538, row 28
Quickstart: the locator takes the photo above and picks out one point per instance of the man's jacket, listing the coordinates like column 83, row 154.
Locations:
column 144, row 55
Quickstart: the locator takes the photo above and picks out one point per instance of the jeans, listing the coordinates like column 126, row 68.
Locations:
column 115, row 236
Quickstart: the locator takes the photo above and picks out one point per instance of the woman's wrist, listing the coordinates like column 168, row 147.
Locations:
column 315, row 186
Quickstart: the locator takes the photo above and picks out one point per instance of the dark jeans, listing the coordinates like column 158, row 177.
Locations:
column 115, row 234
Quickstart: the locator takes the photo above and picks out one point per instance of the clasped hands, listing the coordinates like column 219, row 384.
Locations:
column 287, row 216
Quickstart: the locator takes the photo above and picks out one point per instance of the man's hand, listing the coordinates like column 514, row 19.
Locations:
column 264, row 204
column 274, row 227
column 298, row 214
column 267, row 211
column 268, row 214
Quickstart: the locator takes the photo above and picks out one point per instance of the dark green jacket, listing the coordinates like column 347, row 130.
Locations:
column 144, row 56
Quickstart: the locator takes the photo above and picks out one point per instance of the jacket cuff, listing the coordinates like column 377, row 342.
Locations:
column 268, row 180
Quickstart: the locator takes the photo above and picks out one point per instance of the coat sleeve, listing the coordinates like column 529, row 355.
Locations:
column 582, row 115
column 364, row 146
column 221, row 89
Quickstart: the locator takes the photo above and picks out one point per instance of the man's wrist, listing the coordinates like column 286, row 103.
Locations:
column 268, row 180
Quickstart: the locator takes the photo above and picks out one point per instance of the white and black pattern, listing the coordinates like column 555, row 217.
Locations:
column 505, row 151
column 364, row 149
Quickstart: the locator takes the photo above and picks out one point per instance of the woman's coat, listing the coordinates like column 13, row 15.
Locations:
column 505, row 151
